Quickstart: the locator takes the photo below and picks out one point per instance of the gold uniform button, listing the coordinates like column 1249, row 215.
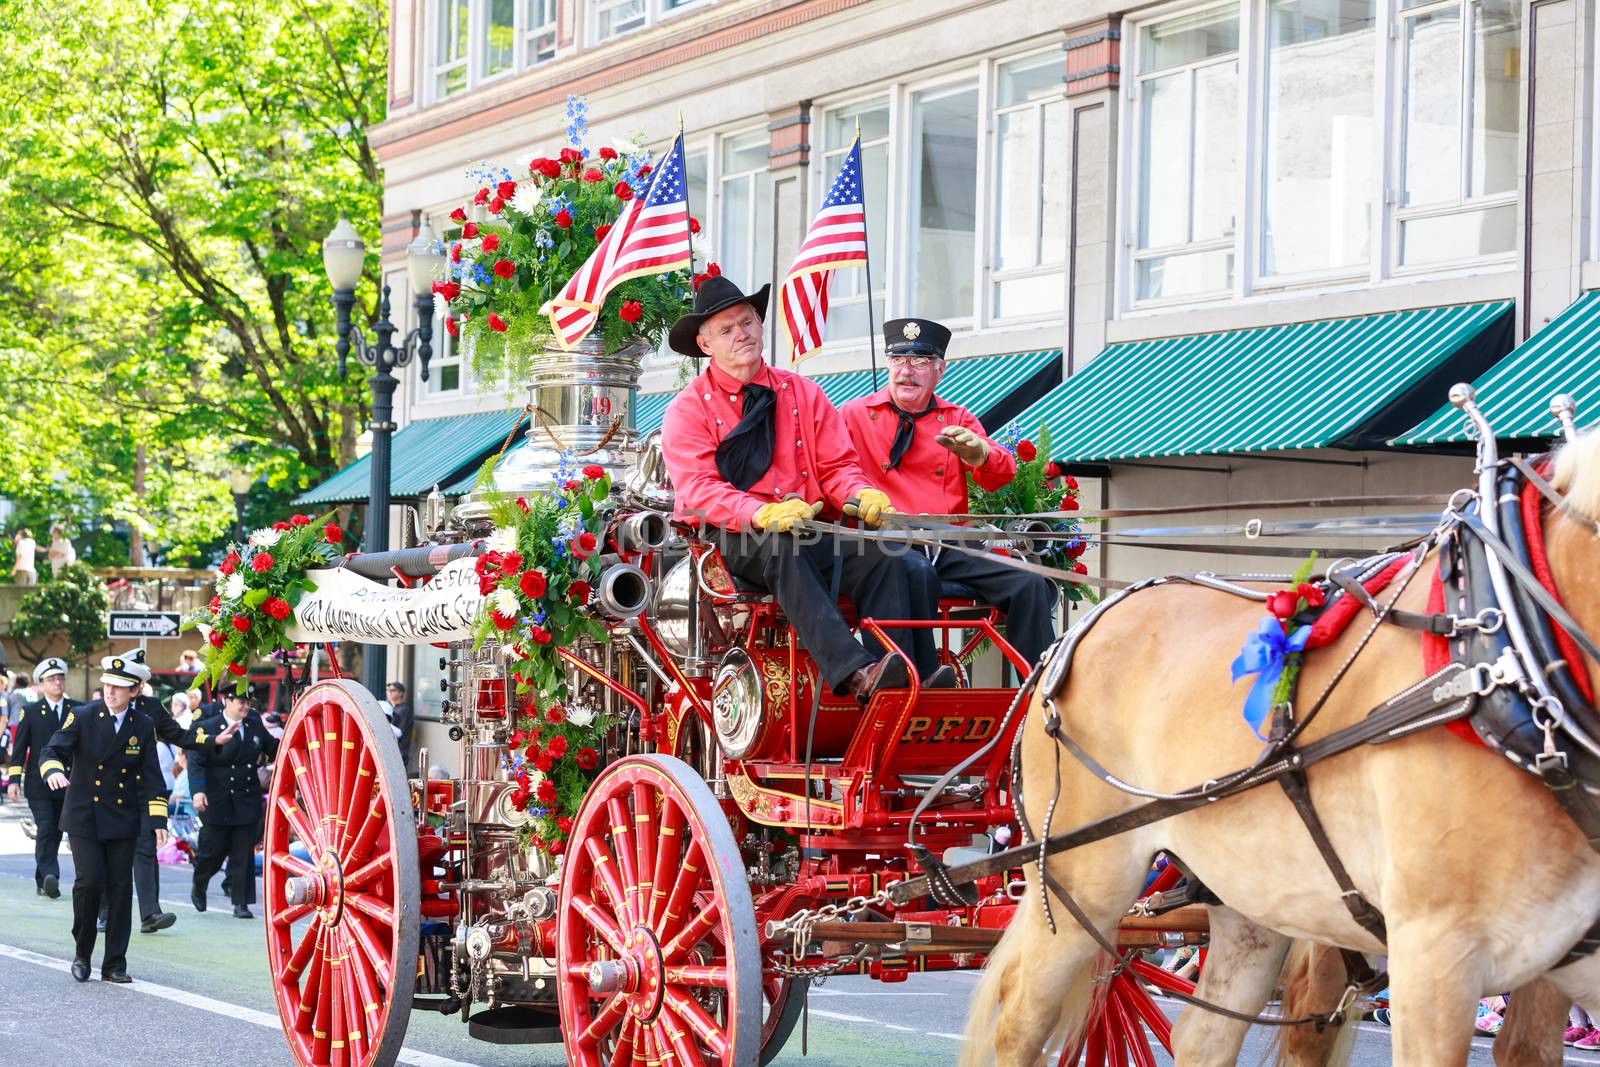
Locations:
column 873, row 415
column 97, row 781
column 97, row 800
column 940, row 417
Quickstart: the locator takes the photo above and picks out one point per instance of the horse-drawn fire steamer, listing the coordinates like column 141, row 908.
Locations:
column 731, row 795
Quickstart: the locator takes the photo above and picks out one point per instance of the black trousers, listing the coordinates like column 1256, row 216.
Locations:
column 146, row 878
column 46, row 813
column 102, row 868
column 1028, row 601
column 237, row 845
column 799, row 570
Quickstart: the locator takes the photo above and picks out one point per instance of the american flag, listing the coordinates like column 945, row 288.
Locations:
column 837, row 238
column 650, row 237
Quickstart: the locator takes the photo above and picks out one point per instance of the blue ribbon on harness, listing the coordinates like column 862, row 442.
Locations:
column 1264, row 655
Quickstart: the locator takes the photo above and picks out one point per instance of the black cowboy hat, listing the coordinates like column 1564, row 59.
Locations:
column 715, row 294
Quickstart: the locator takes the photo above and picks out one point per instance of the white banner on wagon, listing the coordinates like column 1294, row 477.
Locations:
column 348, row 607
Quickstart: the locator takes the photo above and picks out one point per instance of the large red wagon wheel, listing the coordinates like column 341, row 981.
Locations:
column 657, row 952
column 340, row 874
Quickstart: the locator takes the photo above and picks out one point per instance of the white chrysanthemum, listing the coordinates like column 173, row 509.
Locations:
column 627, row 146
column 505, row 602
column 503, row 540
column 205, row 630
column 266, row 537
column 580, row 715
column 527, row 198
column 233, row 586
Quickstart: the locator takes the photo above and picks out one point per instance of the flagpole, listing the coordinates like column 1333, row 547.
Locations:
column 688, row 210
column 866, row 257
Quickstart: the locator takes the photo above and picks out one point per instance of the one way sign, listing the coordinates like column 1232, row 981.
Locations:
column 143, row 624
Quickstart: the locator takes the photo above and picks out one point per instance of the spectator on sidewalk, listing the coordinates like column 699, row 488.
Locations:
column 401, row 718
column 227, row 793
column 61, row 553
column 23, row 570
column 189, row 661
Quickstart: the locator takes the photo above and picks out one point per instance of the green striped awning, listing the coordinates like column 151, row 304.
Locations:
column 980, row 384
column 423, row 454
column 1304, row 385
column 1515, row 393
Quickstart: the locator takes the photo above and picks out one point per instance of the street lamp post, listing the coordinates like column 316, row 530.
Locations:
column 344, row 257
column 239, row 483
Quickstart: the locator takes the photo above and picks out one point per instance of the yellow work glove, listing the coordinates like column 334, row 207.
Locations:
column 869, row 505
column 968, row 446
column 785, row 515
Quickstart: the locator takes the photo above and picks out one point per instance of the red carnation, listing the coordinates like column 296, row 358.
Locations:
column 241, row 623
column 481, row 195
column 216, row 638
column 1312, row 592
column 555, row 714
column 532, row 751
column 547, row 792
column 496, row 205
column 540, row 635
column 563, row 218
column 694, row 224
column 458, row 215
column 470, row 230
column 455, row 252
column 261, row 562
column 486, row 563
column 557, row 747
column 601, row 230
column 496, row 323
column 713, row 270
column 502, row 622
column 215, row 605
column 592, row 175
column 299, row 520
column 556, row 848
column 699, row 279
column 537, row 165
column 564, row 824
column 236, row 669
column 1069, row 503
column 644, row 171
column 504, row 268
column 549, row 168
column 491, row 241
column 1079, row 568
column 1072, row 483
column 594, row 472
column 522, row 503
column 281, row 526
column 230, row 563
column 332, row 534
column 579, row 591
column 608, row 153
column 571, row 155
column 511, row 562
column 1073, row 551
column 516, row 739
column 624, row 191
column 1284, row 603
column 571, row 485
column 506, row 189
column 451, row 327
column 584, row 545
column 587, row 758
column 277, row 608
column 519, row 799
column 1052, row 469
column 448, row 290
column 543, row 763
column 532, row 583
column 631, row 311
column 1026, row 452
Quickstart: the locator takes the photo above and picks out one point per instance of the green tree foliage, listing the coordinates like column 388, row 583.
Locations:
column 168, row 173
column 73, row 606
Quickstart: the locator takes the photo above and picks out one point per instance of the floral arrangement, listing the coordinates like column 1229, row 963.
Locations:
column 1273, row 651
column 1040, row 485
column 258, row 585
column 536, row 577
column 526, row 233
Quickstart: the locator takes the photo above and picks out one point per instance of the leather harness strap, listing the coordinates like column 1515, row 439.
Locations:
column 1361, row 909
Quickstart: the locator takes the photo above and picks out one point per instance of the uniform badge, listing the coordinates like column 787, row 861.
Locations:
column 132, row 749
column 912, row 331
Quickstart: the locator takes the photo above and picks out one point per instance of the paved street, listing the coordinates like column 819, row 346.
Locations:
column 207, row 976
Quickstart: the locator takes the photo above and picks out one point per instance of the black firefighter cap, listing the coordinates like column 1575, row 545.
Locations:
column 915, row 337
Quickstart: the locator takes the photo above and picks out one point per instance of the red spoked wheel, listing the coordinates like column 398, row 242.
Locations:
column 1119, row 1033
column 340, row 874
column 657, row 953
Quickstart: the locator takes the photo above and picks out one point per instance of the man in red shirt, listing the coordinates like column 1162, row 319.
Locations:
column 918, row 448
column 754, row 452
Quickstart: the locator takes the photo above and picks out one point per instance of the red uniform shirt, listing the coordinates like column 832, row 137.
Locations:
column 812, row 456
column 930, row 480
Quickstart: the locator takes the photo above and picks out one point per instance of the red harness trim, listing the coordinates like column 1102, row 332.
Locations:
column 1436, row 649
column 1331, row 623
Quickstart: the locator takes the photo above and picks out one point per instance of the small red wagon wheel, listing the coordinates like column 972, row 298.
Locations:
column 340, row 874
column 657, row 954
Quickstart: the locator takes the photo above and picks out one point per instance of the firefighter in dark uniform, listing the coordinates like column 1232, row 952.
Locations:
column 115, row 783
column 36, row 724
column 227, row 794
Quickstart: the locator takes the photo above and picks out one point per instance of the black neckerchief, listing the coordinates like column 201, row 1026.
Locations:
column 906, row 431
column 746, row 453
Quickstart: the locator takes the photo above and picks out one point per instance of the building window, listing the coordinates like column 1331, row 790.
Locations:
column 744, row 209
column 1319, row 146
column 943, row 200
column 1032, row 161
column 613, row 18
column 1459, row 125
column 444, row 369
column 476, row 41
column 1188, row 156
column 847, row 292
